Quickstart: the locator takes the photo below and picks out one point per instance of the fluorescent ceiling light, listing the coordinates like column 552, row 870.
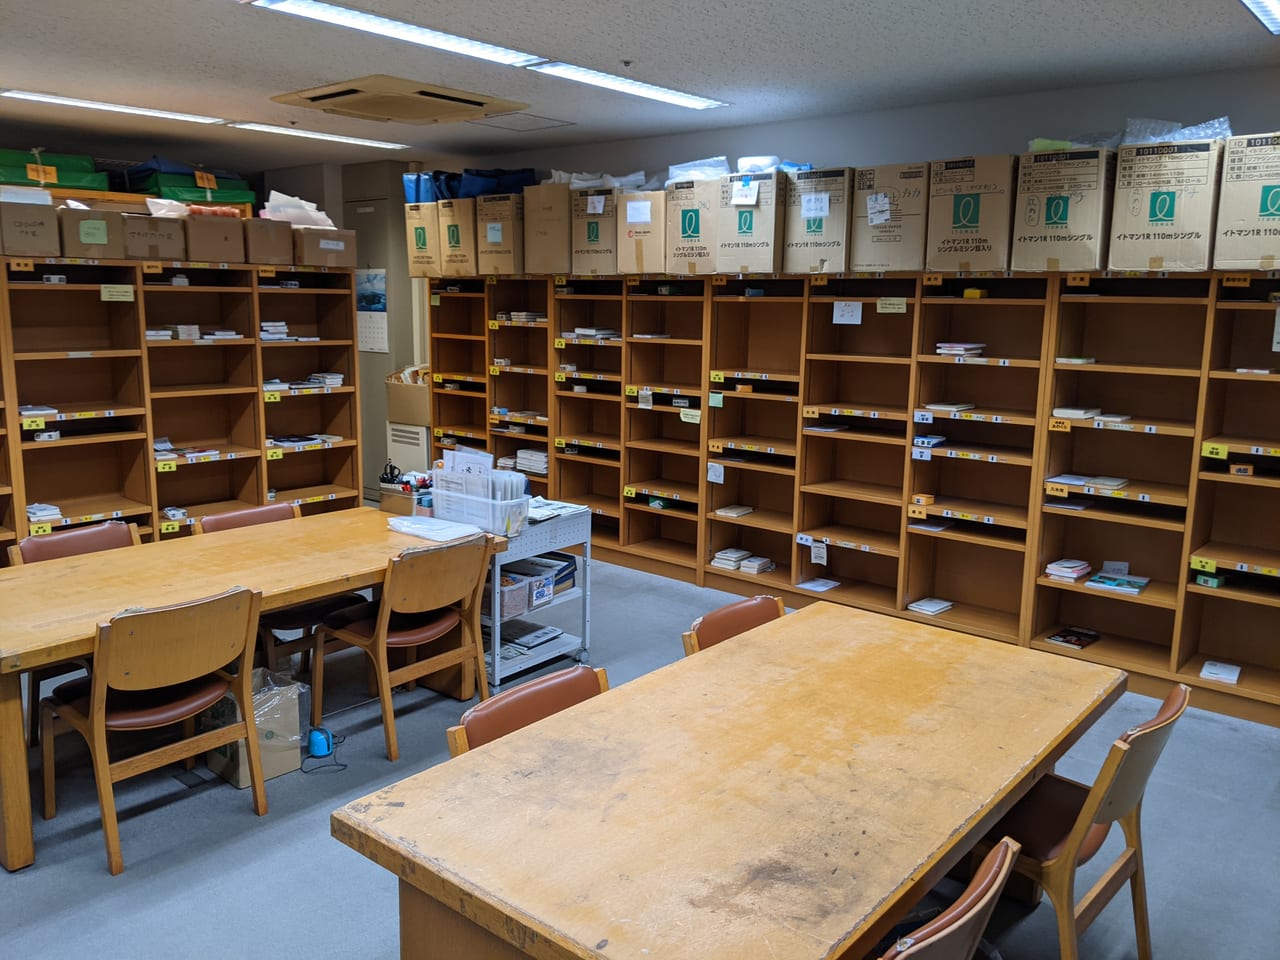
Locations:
column 624, row 85
column 1268, row 11
column 110, row 107
column 312, row 135
column 398, row 30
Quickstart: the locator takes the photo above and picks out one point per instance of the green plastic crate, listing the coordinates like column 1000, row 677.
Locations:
column 63, row 161
column 180, row 186
column 76, row 179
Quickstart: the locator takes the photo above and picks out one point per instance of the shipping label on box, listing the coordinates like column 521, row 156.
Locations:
column 268, row 241
column 215, row 239
column 29, row 230
column 1062, row 216
column 457, row 237
column 500, row 234
column 595, row 230
column 890, row 212
column 642, row 232
column 750, row 222
column 970, row 212
column 547, row 229
column 318, row 247
column 1249, row 207
column 816, row 226
column 92, row 234
column 422, row 239
column 1166, row 197
column 693, row 206
column 154, row 238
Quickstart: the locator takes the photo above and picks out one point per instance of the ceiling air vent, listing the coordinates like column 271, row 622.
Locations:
column 398, row 101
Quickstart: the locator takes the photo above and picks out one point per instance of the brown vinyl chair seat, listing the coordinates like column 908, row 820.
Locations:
column 144, row 709
column 403, row 629
column 1038, row 820
column 730, row 620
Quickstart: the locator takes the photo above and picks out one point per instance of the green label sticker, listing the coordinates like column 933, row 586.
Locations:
column 593, row 231
column 1269, row 201
column 455, row 236
column 715, row 399
column 435, row 300
column 420, row 238
column 691, row 224
column 746, row 223
column 966, row 211
column 1057, row 210
column 1163, row 207
column 813, row 225
column 93, row 231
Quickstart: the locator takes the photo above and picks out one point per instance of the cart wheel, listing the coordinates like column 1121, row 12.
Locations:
column 583, row 657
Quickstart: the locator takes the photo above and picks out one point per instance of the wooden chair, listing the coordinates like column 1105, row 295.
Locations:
column 523, row 705
column 155, row 668
column 111, row 535
column 306, row 616
column 955, row 933
column 427, row 593
column 1061, row 824
column 731, row 620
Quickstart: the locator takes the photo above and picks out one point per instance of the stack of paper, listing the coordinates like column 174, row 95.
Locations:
column 532, row 460
column 185, row 331
column 37, row 512
column 1067, row 570
column 37, row 410
column 595, row 333
column 930, row 606
column 734, row 510
column 275, row 330
column 507, row 463
column 1118, row 584
column 757, row 565
column 527, row 315
column 950, row 349
column 159, row 333
column 275, row 384
column 1076, row 413
column 327, row 379
column 730, row 558
column 222, row 335
column 948, row 406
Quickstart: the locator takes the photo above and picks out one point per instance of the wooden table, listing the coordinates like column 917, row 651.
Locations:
column 52, row 609
column 788, row 793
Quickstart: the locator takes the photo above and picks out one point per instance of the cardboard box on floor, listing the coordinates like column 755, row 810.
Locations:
column 268, row 241
column 154, row 238
column 409, row 403
column 277, row 709
column 215, row 239
column 970, row 213
column 693, row 207
column 642, row 232
column 750, row 222
column 320, row 247
column 1249, row 205
column 890, row 216
column 595, row 231
column 457, row 237
column 1166, row 197
column 547, row 229
column 500, row 234
column 29, row 230
column 816, row 228
column 422, row 239
column 92, row 234
column 1062, row 215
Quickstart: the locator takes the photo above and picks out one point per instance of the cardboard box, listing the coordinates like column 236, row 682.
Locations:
column 816, row 226
column 595, row 231
column 693, row 207
column 409, row 403
column 268, row 241
column 457, row 237
column 970, row 213
column 422, row 239
column 749, row 231
column 1062, row 216
column 29, row 230
column 405, row 504
column 1166, row 198
column 500, row 234
column 154, row 238
column 92, row 234
column 879, row 245
column 1249, row 208
column 215, row 239
column 277, row 708
column 547, row 229
column 318, row 247
column 642, row 232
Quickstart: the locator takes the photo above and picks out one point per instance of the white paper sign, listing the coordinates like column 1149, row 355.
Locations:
column 878, row 209
column 1116, row 568
column 815, row 205
column 847, row 311
column 646, row 399
column 745, row 193
column 639, row 211
column 690, row 416
column 818, row 553
column 493, row 232
column 595, row 204
column 715, row 473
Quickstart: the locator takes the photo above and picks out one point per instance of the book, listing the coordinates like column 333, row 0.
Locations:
column 1110, row 483
column 928, row 440
column 1070, row 479
column 733, row 553
column 1077, row 360
column 1076, row 413
column 930, row 606
column 949, row 406
column 1222, row 672
column 1130, row 585
column 722, row 564
column 734, row 510
column 818, row 584
column 929, row 526
column 757, row 565
column 1076, row 638
column 1113, row 417
column 1068, row 567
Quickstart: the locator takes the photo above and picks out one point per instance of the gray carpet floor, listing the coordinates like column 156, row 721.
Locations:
column 205, row 877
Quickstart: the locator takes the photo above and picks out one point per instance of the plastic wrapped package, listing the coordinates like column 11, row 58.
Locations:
column 279, row 703
column 299, row 212
column 709, row 168
column 1146, row 130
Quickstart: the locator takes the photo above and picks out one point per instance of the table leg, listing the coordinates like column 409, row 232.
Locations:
column 431, row 931
column 17, row 846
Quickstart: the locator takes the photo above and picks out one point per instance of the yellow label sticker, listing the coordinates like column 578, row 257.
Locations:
column 1236, row 279
column 818, row 280
column 1204, row 564
column 206, row 180
column 271, row 396
column 1078, row 279
column 21, row 266
column 716, row 446
column 491, row 281
column 1057, row 489
column 33, row 423
column 933, row 279
column 632, row 390
column 169, row 526
column 917, row 512
column 437, row 378
column 494, row 370
column 1060, row 425
column 1217, row 451
column 42, row 173
column 154, row 266
column 811, row 413
column 493, row 324
column 560, row 377
column 559, row 441
column 628, row 491
column 559, row 343
column 266, row 273
column 560, row 280
column 1267, row 571
column 717, row 376
column 275, row 453
column 166, row 466
column 719, row 281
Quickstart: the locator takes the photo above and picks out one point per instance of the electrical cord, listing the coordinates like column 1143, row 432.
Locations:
column 330, row 762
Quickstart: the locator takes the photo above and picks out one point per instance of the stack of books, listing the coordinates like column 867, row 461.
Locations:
column 730, row 558
column 527, row 315
column 275, row 384
column 930, row 606
column 159, row 333
column 507, row 463
column 275, row 330
column 1076, row 413
column 1068, row 571
column 757, row 565
column 222, row 335
column 1109, row 483
column 956, row 349
column 43, row 512
column 532, row 460
column 734, row 510
column 327, row 379
column 37, row 410
column 1118, row 584
column 947, row 406
column 1075, row 638
column 595, row 333
column 185, row 331
column 928, row 440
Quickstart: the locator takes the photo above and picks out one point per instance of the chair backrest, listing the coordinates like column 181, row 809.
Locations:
column 427, row 578
column 249, row 517
column 164, row 646
column 955, row 933
column 1123, row 780
column 70, row 543
column 512, row 709
column 731, row 620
